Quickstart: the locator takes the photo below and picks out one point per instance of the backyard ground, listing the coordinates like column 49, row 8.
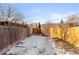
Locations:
column 34, row 45
column 41, row 45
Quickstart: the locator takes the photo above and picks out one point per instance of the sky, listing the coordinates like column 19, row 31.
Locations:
column 44, row 12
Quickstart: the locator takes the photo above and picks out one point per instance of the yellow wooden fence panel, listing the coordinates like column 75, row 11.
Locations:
column 72, row 34
column 55, row 32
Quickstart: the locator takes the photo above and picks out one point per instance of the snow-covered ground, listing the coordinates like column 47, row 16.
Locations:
column 34, row 45
column 37, row 45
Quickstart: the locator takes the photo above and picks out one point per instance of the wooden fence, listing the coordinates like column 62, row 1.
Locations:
column 71, row 35
column 11, row 34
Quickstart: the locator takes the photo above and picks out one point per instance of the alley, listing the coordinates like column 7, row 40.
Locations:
column 34, row 45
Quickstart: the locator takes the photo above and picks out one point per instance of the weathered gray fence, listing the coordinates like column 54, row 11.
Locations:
column 11, row 34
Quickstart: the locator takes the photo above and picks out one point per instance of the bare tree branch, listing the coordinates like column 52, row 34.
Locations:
column 10, row 13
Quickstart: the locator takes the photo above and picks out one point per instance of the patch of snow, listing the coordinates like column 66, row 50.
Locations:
column 34, row 45
column 58, row 50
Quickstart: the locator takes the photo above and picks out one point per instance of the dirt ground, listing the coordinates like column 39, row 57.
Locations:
column 68, row 47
